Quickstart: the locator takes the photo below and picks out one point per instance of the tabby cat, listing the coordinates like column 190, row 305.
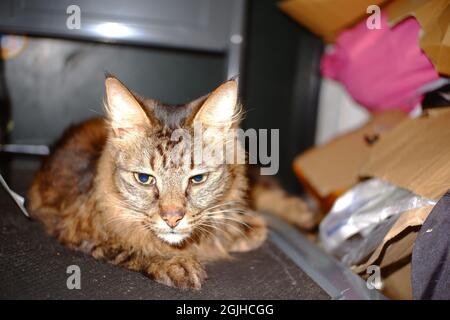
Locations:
column 111, row 188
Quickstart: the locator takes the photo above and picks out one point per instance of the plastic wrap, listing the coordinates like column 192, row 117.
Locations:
column 361, row 217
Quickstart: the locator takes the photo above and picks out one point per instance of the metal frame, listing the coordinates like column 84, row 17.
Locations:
column 222, row 31
column 332, row 276
column 236, row 39
column 180, row 24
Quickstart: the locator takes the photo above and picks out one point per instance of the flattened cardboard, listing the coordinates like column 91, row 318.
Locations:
column 394, row 251
column 415, row 155
column 434, row 18
column 397, row 282
column 334, row 167
column 393, row 255
column 327, row 18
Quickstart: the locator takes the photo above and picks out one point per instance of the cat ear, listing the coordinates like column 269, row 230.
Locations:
column 124, row 111
column 219, row 108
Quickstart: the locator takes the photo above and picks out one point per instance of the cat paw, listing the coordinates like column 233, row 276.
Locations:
column 179, row 272
column 254, row 237
column 297, row 213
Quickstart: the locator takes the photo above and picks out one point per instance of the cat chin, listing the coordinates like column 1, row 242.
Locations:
column 172, row 238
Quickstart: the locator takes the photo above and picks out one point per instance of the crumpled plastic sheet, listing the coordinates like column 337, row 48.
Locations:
column 360, row 218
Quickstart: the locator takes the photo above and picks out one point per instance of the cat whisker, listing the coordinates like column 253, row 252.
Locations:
column 208, row 225
column 202, row 229
column 226, row 224
column 231, row 219
column 226, row 210
column 229, row 210
column 233, row 213
column 224, row 204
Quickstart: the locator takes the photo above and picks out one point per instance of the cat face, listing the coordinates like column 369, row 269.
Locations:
column 160, row 184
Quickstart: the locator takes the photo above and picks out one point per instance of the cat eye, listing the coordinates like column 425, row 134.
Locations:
column 144, row 178
column 199, row 178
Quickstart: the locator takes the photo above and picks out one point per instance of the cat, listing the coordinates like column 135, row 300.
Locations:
column 111, row 188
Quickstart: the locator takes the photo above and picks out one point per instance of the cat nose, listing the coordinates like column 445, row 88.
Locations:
column 172, row 218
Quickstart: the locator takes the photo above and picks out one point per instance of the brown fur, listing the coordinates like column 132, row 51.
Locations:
column 86, row 197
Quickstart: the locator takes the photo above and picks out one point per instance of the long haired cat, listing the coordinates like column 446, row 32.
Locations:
column 115, row 188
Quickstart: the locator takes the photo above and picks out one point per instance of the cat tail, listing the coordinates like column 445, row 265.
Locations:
column 267, row 195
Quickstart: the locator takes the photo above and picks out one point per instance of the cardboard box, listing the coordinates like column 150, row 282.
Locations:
column 434, row 18
column 415, row 156
column 329, row 170
column 327, row 18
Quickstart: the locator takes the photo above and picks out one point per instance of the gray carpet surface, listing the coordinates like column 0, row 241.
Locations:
column 33, row 266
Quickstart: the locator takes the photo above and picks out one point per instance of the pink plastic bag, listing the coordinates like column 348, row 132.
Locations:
column 381, row 68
